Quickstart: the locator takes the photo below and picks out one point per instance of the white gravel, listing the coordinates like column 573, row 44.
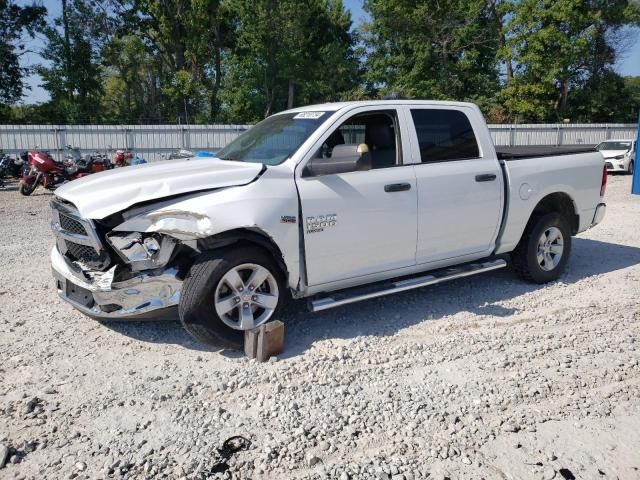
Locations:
column 485, row 377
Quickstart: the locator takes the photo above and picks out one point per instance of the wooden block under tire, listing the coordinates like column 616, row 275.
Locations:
column 265, row 341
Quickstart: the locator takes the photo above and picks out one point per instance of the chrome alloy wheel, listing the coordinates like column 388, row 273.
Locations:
column 246, row 296
column 550, row 248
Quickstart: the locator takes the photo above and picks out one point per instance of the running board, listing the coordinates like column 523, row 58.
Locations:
column 437, row 276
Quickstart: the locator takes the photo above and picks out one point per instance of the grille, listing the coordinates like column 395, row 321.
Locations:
column 71, row 225
column 82, row 252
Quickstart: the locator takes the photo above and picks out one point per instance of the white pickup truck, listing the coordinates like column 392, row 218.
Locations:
column 337, row 203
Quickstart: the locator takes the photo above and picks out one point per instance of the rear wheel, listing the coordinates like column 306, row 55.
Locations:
column 543, row 251
column 229, row 291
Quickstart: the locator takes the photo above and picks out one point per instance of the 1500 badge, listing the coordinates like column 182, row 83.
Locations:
column 319, row 223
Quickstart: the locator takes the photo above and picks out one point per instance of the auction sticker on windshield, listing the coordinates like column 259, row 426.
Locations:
column 309, row 115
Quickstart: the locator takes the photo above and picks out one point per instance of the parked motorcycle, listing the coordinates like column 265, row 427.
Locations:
column 74, row 159
column 42, row 169
column 122, row 158
column 9, row 166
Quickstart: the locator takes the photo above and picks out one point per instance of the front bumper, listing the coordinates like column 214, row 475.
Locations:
column 149, row 295
column 616, row 165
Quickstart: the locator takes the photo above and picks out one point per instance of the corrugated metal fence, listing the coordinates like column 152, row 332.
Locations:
column 155, row 142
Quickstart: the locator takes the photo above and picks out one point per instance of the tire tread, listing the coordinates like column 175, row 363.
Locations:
column 204, row 271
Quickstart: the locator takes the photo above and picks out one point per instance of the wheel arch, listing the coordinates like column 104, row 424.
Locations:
column 249, row 236
column 560, row 202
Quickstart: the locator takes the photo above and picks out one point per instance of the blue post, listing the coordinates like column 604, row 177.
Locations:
column 635, row 184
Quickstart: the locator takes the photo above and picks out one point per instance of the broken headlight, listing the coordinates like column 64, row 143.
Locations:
column 142, row 251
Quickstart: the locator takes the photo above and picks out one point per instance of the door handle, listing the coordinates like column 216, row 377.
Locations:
column 486, row 177
column 397, row 187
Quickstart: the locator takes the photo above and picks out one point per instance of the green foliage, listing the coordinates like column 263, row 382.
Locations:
column 15, row 21
column 131, row 81
column 562, row 47
column 287, row 53
column 150, row 61
column 72, row 73
column 436, row 50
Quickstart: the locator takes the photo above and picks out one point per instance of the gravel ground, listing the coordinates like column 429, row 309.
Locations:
column 485, row 377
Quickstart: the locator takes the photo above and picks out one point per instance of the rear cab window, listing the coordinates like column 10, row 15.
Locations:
column 444, row 135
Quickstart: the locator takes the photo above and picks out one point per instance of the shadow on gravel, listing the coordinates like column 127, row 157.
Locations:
column 161, row 331
column 480, row 294
column 385, row 316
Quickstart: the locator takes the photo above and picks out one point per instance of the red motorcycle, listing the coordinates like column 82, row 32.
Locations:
column 42, row 169
column 122, row 158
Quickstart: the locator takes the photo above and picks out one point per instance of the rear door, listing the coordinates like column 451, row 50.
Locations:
column 362, row 222
column 460, row 184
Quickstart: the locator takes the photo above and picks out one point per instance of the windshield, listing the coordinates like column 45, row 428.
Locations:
column 614, row 146
column 273, row 140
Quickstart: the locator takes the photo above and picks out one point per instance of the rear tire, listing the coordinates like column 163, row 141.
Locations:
column 201, row 299
column 543, row 251
column 27, row 190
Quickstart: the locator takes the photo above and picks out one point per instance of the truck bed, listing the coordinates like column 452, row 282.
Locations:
column 519, row 153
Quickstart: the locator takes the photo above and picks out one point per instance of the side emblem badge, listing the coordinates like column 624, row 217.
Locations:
column 287, row 219
column 319, row 223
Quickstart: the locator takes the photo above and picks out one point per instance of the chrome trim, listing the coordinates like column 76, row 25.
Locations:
column 149, row 292
column 410, row 284
column 598, row 216
column 72, row 237
column 91, row 239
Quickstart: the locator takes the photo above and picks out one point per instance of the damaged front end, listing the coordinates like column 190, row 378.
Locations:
column 109, row 274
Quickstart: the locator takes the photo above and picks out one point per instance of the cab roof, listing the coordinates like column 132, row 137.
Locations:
column 335, row 106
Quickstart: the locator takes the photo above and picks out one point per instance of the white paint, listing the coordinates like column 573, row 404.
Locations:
column 445, row 218
column 102, row 194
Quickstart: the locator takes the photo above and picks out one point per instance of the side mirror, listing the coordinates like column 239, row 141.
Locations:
column 344, row 158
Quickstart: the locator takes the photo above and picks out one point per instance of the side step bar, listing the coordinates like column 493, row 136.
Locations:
column 437, row 276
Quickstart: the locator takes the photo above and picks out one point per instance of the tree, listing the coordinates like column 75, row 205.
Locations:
column 432, row 49
column 189, row 38
column 15, row 21
column 560, row 46
column 288, row 53
column 72, row 73
column 132, row 81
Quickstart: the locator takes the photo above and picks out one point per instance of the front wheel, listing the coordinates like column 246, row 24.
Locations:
column 543, row 250
column 630, row 169
column 229, row 291
column 26, row 189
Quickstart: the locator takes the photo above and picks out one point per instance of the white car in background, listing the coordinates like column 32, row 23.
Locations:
column 619, row 155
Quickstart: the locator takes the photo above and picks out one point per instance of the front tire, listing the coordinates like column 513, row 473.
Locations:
column 543, row 251
column 228, row 291
column 630, row 169
column 27, row 190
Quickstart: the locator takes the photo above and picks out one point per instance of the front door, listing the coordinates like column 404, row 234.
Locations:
column 361, row 222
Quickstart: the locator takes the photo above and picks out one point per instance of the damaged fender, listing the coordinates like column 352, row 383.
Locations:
column 268, row 207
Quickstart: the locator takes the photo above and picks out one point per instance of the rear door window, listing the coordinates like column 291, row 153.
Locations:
column 444, row 135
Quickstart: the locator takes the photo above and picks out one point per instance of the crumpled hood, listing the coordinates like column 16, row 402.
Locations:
column 102, row 194
column 612, row 153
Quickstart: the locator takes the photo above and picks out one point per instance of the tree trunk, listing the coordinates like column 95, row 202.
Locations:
column 292, row 93
column 564, row 96
column 217, row 82
column 67, row 50
column 502, row 40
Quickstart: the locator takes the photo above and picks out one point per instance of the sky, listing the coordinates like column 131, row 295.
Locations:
column 629, row 63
